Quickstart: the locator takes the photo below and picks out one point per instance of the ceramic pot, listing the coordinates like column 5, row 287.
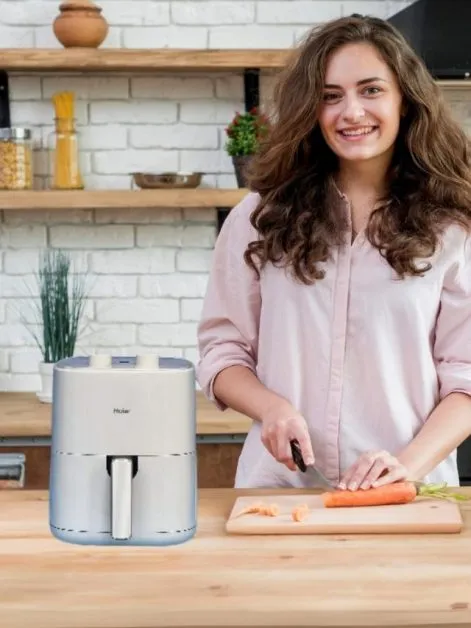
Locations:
column 240, row 163
column 46, row 371
column 80, row 24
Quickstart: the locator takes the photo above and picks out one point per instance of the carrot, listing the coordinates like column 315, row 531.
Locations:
column 394, row 493
column 300, row 512
column 397, row 493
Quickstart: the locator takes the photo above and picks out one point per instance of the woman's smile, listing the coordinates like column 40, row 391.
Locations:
column 355, row 134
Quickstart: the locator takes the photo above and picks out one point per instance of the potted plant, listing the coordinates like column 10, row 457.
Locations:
column 244, row 134
column 59, row 310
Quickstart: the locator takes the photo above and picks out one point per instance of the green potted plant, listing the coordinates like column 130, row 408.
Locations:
column 59, row 310
column 244, row 133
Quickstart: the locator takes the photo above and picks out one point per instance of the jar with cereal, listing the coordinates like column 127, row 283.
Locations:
column 16, row 157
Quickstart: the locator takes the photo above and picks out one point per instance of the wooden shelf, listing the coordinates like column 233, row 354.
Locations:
column 119, row 199
column 455, row 84
column 152, row 60
column 122, row 59
column 22, row 415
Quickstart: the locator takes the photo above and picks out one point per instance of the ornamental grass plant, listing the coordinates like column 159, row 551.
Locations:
column 59, row 310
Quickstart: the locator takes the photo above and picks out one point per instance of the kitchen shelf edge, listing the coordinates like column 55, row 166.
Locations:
column 120, row 199
column 122, row 59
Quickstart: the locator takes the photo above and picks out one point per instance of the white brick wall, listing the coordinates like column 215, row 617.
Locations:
column 147, row 269
column 147, row 275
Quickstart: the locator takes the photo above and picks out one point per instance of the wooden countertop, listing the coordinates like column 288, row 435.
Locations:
column 23, row 415
column 220, row 580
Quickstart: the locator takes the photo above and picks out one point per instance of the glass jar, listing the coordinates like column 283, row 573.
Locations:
column 64, row 156
column 16, row 159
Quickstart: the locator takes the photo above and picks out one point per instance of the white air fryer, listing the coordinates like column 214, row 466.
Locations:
column 123, row 453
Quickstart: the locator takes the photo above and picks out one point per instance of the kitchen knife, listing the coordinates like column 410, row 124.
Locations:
column 299, row 462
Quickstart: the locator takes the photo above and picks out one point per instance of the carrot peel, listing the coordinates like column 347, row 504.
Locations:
column 260, row 509
column 394, row 493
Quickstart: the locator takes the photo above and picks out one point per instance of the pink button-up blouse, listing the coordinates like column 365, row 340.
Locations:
column 364, row 357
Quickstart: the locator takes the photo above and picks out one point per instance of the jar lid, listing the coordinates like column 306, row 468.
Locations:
column 16, row 133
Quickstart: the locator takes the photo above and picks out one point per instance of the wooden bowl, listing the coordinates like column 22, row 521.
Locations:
column 146, row 180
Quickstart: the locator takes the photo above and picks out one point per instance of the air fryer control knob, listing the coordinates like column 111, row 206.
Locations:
column 147, row 361
column 100, row 361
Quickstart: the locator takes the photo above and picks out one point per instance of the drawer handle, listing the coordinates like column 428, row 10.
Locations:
column 12, row 470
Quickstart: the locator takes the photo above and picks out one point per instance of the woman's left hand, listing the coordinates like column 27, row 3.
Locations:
column 372, row 469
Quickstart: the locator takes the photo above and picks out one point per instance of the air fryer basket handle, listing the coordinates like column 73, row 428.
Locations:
column 121, row 510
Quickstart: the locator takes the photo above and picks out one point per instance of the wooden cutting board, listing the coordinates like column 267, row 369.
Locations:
column 423, row 516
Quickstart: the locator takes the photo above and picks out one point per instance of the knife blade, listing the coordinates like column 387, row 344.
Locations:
column 299, row 462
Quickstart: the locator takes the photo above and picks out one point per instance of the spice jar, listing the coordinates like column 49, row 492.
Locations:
column 64, row 156
column 16, row 159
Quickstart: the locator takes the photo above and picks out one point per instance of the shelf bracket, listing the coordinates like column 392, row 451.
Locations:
column 251, row 100
column 5, row 120
column 251, row 88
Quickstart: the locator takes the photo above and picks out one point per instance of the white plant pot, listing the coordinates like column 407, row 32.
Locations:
column 45, row 370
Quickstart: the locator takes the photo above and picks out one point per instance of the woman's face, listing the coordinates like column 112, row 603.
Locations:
column 361, row 105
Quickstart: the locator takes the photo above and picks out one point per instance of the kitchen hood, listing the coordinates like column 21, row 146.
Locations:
column 438, row 31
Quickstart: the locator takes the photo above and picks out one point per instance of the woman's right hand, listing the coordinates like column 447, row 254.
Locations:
column 280, row 425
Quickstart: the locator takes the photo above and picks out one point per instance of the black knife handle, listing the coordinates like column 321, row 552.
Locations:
column 297, row 455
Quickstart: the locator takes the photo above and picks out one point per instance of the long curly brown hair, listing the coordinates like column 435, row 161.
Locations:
column 428, row 183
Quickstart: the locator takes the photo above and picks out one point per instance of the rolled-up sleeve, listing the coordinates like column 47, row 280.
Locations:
column 228, row 328
column 452, row 347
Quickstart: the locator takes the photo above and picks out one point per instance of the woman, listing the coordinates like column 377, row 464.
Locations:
column 338, row 310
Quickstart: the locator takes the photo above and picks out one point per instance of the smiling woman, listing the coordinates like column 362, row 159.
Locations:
column 338, row 309
column 361, row 116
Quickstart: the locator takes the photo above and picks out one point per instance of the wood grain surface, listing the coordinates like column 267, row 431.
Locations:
column 58, row 200
column 23, row 415
column 140, row 59
column 221, row 580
